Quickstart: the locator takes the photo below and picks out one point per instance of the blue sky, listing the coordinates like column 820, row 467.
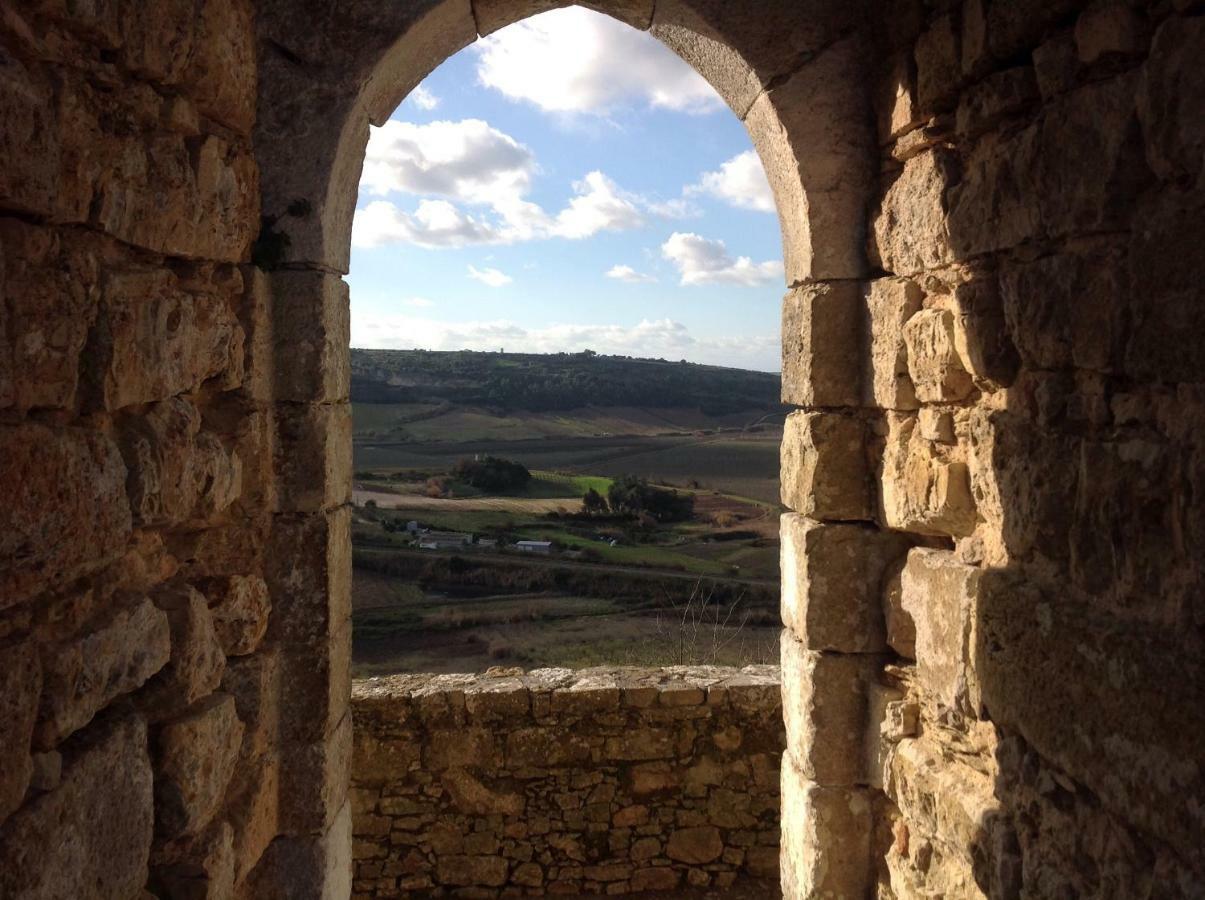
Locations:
column 617, row 206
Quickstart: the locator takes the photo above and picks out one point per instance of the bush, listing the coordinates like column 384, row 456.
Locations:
column 635, row 497
column 490, row 473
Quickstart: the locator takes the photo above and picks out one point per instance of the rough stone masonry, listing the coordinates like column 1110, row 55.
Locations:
column 554, row 782
column 993, row 215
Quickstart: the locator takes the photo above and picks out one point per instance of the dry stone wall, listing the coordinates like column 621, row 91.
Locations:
column 600, row 781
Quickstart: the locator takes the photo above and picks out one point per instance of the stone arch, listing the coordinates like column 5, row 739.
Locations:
column 793, row 74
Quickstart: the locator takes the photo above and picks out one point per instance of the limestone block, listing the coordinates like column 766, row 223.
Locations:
column 695, row 846
column 91, row 836
column 239, row 605
column 901, row 630
column 739, row 55
column 48, row 286
column 1109, row 28
column 177, row 471
column 934, row 363
column 473, row 748
column 940, row 594
column 545, row 746
column 30, row 143
column 996, row 98
column 1165, row 248
column 157, row 339
column 1056, row 65
column 659, row 879
column 254, row 813
column 824, row 471
column 488, row 871
column 911, row 232
column 1067, row 309
column 1019, row 25
column 814, row 134
column 493, row 15
column 883, row 704
column 824, row 708
column 181, row 200
column 921, row 491
column 642, row 744
column 308, row 576
column 311, row 318
column 313, row 456
column 939, row 64
column 473, row 797
column 1170, row 94
column 319, row 679
column 204, row 872
column 115, row 653
column 890, row 302
column 220, row 76
column 981, row 335
column 20, row 691
column 314, row 781
column 65, row 508
column 195, row 759
column 197, row 662
column 820, row 323
column 831, row 577
column 995, row 206
column 825, row 838
column 306, row 865
column 896, row 100
column 254, row 681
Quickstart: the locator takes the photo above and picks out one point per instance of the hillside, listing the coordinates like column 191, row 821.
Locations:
column 558, row 382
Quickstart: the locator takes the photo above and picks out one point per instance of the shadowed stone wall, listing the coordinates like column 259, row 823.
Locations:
column 600, row 781
column 992, row 216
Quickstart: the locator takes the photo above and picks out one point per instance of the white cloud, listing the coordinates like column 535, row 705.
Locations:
column 421, row 302
column 600, row 65
column 652, row 338
column 469, row 163
column 741, row 181
column 630, row 275
column 423, row 98
column 701, row 261
column 489, row 276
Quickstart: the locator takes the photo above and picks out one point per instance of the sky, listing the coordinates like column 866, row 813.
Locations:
column 567, row 183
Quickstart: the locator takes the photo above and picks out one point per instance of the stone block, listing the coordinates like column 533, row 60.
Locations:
column 314, row 781
column 311, row 317
column 1109, row 29
column 831, row 582
column 20, row 691
column 999, row 96
column 202, row 871
column 1018, row 26
column 319, row 686
column 115, row 653
column 940, row 595
column 820, row 323
column 309, row 578
column 317, row 866
column 31, row 142
column 221, row 73
column 882, row 706
column 981, row 335
column 823, row 466
column 176, row 470
column 663, row 878
column 815, row 136
column 824, row 709
column 493, row 15
column 1170, row 93
column 90, row 836
column 253, row 813
column 474, row 748
column 695, row 846
column 313, row 456
column 910, row 228
column 65, row 508
column 158, row 337
column 939, row 64
column 48, row 288
column 890, row 302
column 194, row 761
column 934, row 363
column 239, row 605
column 471, row 796
column 826, row 835
column 197, row 662
column 255, row 683
column 921, row 490
column 545, row 746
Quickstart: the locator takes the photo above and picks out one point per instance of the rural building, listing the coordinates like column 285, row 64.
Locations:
column 443, row 540
column 993, row 230
column 534, row 546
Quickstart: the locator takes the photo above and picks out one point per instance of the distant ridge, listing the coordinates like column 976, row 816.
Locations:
column 539, row 382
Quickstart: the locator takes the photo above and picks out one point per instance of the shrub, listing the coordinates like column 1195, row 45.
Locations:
column 491, row 473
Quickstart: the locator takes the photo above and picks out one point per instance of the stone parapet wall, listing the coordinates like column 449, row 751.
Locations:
column 600, row 781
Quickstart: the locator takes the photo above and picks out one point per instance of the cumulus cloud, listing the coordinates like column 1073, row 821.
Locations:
column 600, row 65
column 741, row 181
column 702, row 261
column 630, row 275
column 490, row 277
column 423, row 98
column 650, row 337
column 469, row 163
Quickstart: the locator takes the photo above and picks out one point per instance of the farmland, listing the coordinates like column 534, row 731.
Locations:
column 606, row 588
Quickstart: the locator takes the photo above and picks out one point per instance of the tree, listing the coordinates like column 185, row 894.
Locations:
column 631, row 496
column 594, row 503
column 490, row 473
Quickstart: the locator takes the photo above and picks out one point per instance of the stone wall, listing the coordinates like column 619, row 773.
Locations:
column 601, row 781
column 990, row 561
